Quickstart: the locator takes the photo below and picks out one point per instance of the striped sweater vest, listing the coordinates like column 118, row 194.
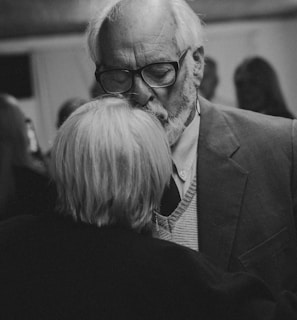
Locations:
column 181, row 226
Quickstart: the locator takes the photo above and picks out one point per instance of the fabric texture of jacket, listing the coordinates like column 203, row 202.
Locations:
column 247, row 193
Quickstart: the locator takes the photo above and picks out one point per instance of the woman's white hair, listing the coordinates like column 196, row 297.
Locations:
column 189, row 31
column 111, row 163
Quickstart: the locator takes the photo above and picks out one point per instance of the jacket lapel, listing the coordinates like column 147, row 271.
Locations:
column 221, row 185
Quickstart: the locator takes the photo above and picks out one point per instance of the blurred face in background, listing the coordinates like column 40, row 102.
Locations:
column 250, row 94
column 210, row 80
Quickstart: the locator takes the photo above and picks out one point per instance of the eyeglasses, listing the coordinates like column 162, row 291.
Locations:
column 155, row 75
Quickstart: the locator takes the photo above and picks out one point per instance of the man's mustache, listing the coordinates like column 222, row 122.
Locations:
column 155, row 108
column 158, row 111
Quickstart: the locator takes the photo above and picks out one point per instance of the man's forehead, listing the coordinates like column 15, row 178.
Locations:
column 143, row 8
column 121, row 37
column 149, row 38
column 123, row 57
column 141, row 20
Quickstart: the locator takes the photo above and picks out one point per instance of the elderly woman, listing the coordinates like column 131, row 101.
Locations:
column 96, row 259
column 111, row 164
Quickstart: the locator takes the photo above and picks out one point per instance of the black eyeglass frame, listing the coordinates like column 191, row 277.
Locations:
column 175, row 64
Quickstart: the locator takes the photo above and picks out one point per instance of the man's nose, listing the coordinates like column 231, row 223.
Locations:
column 141, row 93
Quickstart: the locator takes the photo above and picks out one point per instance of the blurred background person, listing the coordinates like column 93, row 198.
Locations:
column 67, row 108
column 34, row 148
column 210, row 79
column 95, row 90
column 23, row 188
column 64, row 111
column 258, row 89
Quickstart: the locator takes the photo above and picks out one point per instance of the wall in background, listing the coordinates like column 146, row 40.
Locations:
column 275, row 40
column 61, row 69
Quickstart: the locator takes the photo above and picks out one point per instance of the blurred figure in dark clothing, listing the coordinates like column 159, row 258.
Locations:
column 64, row 112
column 23, row 188
column 210, row 79
column 34, row 148
column 67, row 108
column 258, row 88
column 95, row 90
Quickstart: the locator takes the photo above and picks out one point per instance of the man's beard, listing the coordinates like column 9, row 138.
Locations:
column 174, row 124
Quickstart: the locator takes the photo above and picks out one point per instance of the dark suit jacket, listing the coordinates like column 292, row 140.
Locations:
column 54, row 268
column 247, row 176
column 34, row 194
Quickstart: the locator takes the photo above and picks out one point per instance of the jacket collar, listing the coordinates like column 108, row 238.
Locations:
column 221, row 184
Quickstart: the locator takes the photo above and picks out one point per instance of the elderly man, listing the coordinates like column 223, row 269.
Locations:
column 234, row 171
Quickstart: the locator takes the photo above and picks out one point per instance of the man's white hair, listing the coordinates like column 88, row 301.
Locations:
column 111, row 163
column 189, row 31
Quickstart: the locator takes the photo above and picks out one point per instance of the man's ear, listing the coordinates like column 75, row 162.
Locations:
column 198, row 56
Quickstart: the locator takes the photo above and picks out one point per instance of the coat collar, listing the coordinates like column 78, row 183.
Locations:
column 221, row 184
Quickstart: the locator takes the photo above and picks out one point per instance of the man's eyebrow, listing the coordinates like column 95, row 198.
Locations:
column 113, row 66
column 161, row 58
column 104, row 67
column 152, row 60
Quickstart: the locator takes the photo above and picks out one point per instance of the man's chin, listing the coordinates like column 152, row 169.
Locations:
column 173, row 136
column 164, row 122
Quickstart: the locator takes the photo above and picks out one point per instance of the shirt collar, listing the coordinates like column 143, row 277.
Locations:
column 184, row 152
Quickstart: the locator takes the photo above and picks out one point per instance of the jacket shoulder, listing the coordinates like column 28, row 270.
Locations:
column 250, row 124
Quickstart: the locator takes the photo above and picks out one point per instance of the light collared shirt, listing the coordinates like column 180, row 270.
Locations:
column 184, row 155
